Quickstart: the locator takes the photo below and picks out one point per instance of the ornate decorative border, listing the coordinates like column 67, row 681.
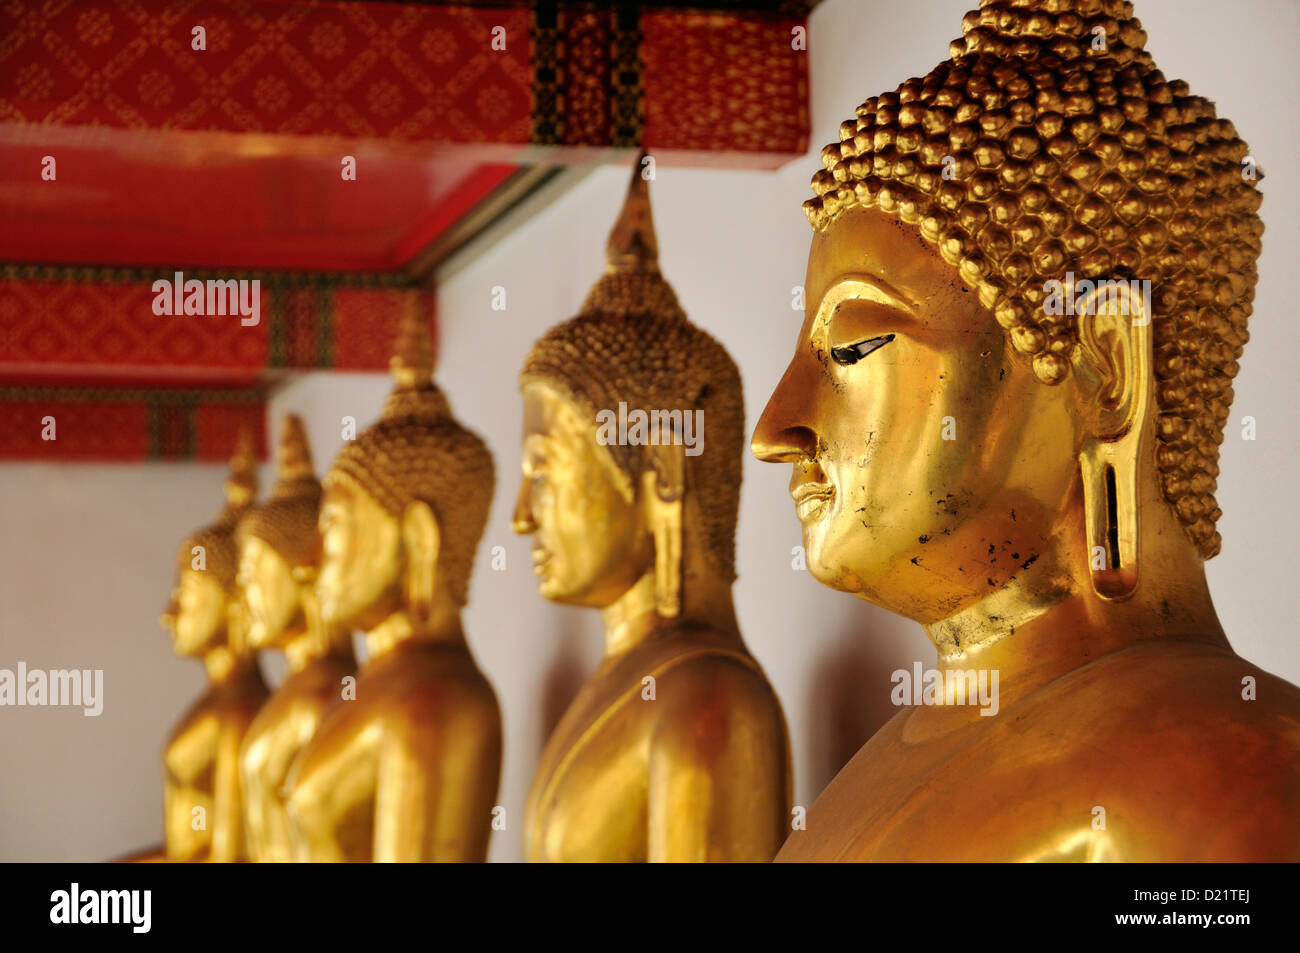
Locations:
column 126, row 425
column 572, row 73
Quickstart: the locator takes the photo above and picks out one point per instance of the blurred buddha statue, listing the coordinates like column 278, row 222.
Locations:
column 278, row 550
column 1027, row 295
column 203, row 817
column 675, row 749
column 408, row 769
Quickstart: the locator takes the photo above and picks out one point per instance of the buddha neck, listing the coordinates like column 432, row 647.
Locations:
column 442, row 629
column 300, row 648
column 303, row 640
column 633, row 619
column 1049, row 619
column 224, row 665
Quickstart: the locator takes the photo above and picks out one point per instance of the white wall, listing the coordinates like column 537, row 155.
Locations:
column 86, row 555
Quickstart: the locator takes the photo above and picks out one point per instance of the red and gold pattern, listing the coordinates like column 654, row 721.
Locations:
column 60, row 325
column 708, row 71
column 414, row 73
column 128, row 425
column 355, row 70
column 99, row 330
column 587, row 47
column 150, row 134
column 64, row 322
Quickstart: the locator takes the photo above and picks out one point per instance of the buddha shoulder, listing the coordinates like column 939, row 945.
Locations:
column 1185, row 692
column 432, row 686
column 708, row 696
column 1176, row 740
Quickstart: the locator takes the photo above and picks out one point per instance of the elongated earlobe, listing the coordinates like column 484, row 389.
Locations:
column 1115, row 343
column 318, row 633
column 663, row 488
column 237, row 623
column 421, row 541
column 1111, row 512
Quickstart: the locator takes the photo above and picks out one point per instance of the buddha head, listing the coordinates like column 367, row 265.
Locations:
column 633, row 435
column 405, row 503
column 278, row 544
column 203, row 613
column 1027, row 295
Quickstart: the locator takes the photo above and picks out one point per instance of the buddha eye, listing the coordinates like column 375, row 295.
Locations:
column 852, row 353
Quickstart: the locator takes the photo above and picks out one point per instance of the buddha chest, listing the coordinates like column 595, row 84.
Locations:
column 1129, row 758
column 638, row 763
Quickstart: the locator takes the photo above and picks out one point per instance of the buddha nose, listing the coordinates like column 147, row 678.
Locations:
column 168, row 618
column 784, row 433
column 523, row 522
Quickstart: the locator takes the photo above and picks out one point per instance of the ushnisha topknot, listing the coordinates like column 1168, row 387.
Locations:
column 220, row 555
column 418, row 452
column 631, row 342
column 1067, row 150
column 286, row 520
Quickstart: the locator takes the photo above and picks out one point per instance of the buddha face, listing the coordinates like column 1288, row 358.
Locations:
column 361, row 558
column 929, row 463
column 198, row 614
column 591, row 541
column 271, row 594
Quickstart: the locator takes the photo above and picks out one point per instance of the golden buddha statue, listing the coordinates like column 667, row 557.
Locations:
column 675, row 749
column 278, row 551
column 406, row 770
column 1027, row 295
column 203, row 816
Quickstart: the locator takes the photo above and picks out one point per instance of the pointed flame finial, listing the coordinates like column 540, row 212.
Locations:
column 412, row 362
column 293, row 455
column 632, row 246
column 241, row 483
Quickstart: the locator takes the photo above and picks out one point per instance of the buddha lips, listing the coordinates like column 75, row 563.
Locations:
column 641, row 428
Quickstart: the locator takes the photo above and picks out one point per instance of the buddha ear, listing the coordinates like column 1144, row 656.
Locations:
column 663, row 486
column 1114, row 322
column 421, row 542
column 237, row 625
column 317, row 631
column 1114, row 354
